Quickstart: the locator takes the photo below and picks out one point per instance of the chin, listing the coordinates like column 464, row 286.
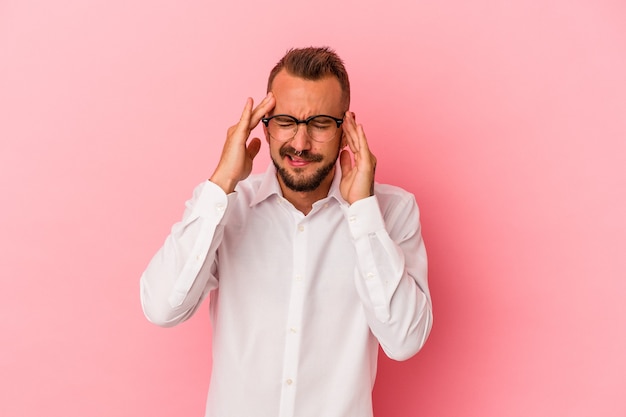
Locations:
column 295, row 180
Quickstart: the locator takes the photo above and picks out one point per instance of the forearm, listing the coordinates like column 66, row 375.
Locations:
column 181, row 273
column 391, row 277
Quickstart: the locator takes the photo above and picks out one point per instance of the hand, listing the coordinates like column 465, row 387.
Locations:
column 357, row 180
column 236, row 161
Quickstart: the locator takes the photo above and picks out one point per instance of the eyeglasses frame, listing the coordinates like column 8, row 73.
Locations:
column 266, row 121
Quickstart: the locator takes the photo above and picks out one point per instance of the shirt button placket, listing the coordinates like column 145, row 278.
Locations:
column 294, row 320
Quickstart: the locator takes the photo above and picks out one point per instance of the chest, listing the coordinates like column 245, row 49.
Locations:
column 272, row 252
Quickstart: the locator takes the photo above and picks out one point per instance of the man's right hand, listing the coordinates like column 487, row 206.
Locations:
column 237, row 156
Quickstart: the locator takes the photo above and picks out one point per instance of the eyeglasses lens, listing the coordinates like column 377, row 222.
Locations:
column 320, row 128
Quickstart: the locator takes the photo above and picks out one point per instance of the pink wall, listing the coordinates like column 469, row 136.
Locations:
column 506, row 119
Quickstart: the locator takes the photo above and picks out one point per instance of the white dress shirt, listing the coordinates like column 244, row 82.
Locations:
column 298, row 304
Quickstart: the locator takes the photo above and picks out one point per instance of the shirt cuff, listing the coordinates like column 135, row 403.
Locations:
column 212, row 202
column 364, row 218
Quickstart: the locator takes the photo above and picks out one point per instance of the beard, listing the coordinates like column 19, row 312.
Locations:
column 304, row 184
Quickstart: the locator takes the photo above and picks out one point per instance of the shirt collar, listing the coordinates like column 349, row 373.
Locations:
column 270, row 186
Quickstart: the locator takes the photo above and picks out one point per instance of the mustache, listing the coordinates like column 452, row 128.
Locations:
column 304, row 155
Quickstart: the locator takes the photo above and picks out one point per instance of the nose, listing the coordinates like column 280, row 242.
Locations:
column 301, row 141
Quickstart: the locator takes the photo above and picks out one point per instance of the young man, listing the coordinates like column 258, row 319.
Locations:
column 308, row 267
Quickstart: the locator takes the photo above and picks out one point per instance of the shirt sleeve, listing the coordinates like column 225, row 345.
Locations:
column 391, row 273
column 182, row 272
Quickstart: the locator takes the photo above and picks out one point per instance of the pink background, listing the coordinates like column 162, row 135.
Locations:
column 506, row 119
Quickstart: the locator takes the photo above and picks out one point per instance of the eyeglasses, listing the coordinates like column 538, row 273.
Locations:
column 320, row 128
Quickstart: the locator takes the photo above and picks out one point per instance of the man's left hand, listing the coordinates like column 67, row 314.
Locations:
column 357, row 181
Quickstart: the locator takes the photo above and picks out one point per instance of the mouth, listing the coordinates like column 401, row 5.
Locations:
column 297, row 162
column 303, row 159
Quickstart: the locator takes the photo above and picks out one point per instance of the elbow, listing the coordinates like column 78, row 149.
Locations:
column 414, row 339
column 159, row 316
column 403, row 351
column 158, row 311
column 400, row 354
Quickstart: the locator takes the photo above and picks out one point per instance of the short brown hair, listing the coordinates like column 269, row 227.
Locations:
column 313, row 63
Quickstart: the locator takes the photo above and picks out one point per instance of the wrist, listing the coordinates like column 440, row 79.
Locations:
column 228, row 185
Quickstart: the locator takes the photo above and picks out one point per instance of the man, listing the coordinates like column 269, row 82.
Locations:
column 309, row 266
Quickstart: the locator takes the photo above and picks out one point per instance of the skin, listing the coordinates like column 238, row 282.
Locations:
column 300, row 98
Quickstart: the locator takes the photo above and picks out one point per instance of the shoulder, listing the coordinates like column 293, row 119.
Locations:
column 391, row 196
column 398, row 208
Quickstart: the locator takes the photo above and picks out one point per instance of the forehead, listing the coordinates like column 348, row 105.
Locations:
column 302, row 98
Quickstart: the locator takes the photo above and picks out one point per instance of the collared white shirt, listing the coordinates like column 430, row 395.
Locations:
column 298, row 304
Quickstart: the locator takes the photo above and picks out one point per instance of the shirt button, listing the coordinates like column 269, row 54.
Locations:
column 301, row 228
column 298, row 277
column 352, row 219
column 369, row 275
column 219, row 207
column 293, row 330
column 289, row 382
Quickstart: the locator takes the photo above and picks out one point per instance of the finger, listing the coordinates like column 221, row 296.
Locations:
column 245, row 114
column 244, row 121
column 357, row 134
column 362, row 139
column 264, row 107
column 351, row 133
column 367, row 158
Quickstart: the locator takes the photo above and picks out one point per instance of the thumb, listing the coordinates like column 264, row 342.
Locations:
column 253, row 147
column 345, row 161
